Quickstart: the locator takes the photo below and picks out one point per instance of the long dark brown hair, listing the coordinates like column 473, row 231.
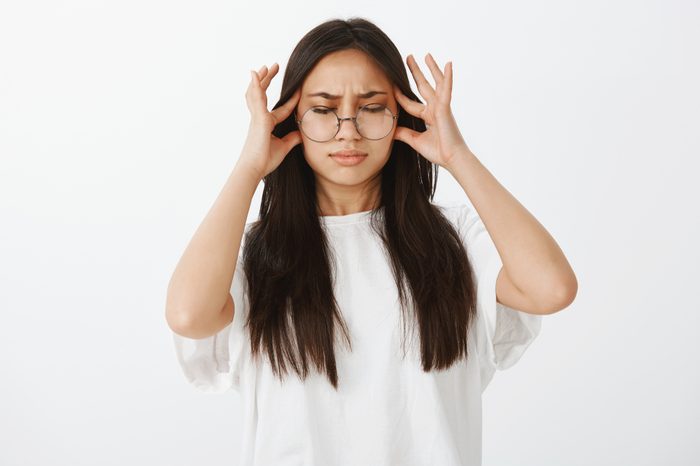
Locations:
column 289, row 268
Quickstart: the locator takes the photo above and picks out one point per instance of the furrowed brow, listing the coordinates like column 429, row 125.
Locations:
column 328, row 96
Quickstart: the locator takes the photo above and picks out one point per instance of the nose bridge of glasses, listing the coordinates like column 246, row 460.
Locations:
column 352, row 119
column 353, row 124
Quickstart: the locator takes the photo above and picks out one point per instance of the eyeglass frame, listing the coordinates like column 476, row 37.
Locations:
column 353, row 119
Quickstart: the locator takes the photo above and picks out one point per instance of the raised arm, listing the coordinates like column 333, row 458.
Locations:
column 199, row 303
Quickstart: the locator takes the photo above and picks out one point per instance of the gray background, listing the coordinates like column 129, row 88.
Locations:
column 120, row 122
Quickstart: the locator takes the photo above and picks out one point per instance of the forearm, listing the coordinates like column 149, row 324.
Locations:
column 199, row 286
column 531, row 257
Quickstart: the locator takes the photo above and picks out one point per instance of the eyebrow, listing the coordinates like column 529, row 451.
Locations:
column 328, row 96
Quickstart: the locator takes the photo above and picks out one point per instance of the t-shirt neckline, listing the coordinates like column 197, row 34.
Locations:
column 356, row 217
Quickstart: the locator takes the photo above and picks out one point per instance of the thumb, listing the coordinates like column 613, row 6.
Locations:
column 291, row 140
column 406, row 135
column 283, row 111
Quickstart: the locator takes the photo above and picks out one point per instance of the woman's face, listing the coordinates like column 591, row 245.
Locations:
column 346, row 73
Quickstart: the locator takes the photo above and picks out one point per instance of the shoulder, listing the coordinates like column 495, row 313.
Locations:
column 454, row 207
column 460, row 214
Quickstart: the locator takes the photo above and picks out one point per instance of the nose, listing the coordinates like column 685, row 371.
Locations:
column 347, row 129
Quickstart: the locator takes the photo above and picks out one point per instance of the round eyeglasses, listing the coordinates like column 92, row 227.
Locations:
column 321, row 124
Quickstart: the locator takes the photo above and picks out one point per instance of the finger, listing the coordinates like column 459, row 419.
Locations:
column 261, row 73
column 406, row 135
column 424, row 87
column 291, row 140
column 435, row 70
column 265, row 82
column 255, row 93
column 411, row 106
column 255, row 81
column 448, row 81
column 284, row 110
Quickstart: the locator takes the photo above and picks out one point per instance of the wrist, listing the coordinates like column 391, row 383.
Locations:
column 247, row 171
column 459, row 158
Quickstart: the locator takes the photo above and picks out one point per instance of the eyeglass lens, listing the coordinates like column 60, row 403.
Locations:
column 321, row 123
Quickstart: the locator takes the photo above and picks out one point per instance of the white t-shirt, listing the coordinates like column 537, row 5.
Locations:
column 387, row 411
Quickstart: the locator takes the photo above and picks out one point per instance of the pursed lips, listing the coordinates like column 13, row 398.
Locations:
column 348, row 153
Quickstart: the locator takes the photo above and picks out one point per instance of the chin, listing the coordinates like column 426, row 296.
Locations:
column 346, row 178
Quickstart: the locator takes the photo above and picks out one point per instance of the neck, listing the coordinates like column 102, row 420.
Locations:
column 348, row 201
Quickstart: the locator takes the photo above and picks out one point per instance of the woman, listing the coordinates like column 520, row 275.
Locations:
column 348, row 244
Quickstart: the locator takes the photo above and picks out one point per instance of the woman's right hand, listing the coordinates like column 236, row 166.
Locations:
column 263, row 151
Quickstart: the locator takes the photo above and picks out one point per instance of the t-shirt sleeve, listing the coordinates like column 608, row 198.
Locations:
column 502, row 333
column 213, row 364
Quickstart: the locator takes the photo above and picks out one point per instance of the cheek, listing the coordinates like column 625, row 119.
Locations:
column 383, row 148
column 317, row 157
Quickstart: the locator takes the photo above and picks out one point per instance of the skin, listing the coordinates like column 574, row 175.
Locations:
column 535, row 277
column 346, row 73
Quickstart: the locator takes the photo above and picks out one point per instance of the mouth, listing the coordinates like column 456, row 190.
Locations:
column 349, row 153
column 348, row 157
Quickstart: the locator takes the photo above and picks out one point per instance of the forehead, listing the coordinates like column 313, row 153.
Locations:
column 345, row 71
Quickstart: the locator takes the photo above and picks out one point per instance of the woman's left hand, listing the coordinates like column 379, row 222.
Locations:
column 442, row 140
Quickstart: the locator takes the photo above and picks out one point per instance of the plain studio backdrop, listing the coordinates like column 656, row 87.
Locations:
column 120, row 122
